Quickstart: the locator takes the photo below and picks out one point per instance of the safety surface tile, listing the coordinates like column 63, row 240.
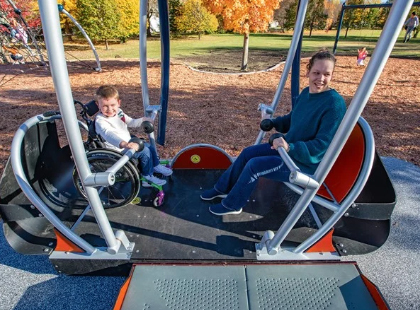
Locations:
column 269, row 287
column 187, row 288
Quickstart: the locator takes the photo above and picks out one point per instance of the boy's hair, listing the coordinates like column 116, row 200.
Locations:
column 107, row 92
column 321, row 55
column 414, row 13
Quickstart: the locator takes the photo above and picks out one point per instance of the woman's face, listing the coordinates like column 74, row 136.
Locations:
column 320, row 75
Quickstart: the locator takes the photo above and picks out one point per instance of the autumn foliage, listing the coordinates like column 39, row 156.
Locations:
column 244, row 16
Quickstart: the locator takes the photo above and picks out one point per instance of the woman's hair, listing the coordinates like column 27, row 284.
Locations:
column 107, row 92
column 321, row 55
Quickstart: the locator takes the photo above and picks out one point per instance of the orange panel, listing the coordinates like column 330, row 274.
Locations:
column 202, row 157
column 347, row 167
column 323, row 245
column 65, row 245
column 123, row 290
column 374, row 292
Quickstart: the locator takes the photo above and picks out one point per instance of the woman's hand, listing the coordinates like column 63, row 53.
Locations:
column 280, row 142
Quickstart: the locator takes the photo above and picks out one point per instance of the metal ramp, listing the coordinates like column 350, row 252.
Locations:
column 304, row 286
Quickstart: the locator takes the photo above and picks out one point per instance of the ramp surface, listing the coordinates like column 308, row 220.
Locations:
column 332, row 286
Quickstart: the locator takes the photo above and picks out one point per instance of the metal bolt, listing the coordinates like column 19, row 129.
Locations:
column 346, row 214
column 344, row 251
column 46, row 250
column 32, row 207
column 50, row 244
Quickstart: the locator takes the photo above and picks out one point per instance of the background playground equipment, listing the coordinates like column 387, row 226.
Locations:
column 370, row 41
column 165, row 239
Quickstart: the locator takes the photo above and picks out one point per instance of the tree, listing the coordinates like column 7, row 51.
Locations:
column 67, row 25
column 99, row 18
column 28, row 11
column 280, row 14
column 128, row 24
column 195, row 18
column 244, row 16
column 174, row 11
column 353, row 17
column 332, row 9
column 315, row 15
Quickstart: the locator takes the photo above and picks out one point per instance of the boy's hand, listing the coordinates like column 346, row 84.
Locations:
column 129, row 145
column 144, row 119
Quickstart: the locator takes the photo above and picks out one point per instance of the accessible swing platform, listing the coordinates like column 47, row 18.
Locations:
column 184, row 256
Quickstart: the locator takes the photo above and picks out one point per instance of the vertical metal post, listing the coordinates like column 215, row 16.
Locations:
column 289, row 60
column 54, row 42
column 143, row 54
column 165, row 63
column 295, row 78
column 340, row 24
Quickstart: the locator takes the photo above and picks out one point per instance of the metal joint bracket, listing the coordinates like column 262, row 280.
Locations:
column 100, row 179
column 298, row 178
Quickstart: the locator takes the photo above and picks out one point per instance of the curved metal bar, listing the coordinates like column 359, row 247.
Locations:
column 54, row 42
column 16, row 161
column 98, row 63
column 289, row 60
column 351, row 197
column 165, row 63
column 143, row 54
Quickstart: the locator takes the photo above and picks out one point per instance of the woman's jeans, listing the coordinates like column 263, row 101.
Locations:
column 240, row 179
column 148, row 159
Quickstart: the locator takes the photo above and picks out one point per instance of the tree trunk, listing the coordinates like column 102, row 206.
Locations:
column 199, row 35
column 347, row 30
column 106, row 43
column 244, row 65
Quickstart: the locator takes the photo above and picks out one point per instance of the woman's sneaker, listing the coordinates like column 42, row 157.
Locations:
column 165, row 171
column 210, row 194
column 152, row 179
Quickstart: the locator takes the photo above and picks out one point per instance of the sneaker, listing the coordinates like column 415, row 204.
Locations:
column 152, row 179
column 220, row 209
column 163, row 170
column 210, row 194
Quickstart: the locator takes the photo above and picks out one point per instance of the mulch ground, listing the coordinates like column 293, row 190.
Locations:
column 219, row 109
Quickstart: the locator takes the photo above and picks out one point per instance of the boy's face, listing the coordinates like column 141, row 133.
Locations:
column 109, row 106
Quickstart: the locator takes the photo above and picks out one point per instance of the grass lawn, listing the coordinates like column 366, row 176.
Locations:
column 191, row 45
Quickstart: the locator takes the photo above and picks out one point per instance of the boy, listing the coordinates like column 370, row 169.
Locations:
column 410, row 25
column 112, row 125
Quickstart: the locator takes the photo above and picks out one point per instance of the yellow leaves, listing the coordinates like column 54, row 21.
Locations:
column 244, row 16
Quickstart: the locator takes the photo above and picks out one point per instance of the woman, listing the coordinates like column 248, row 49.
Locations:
column 309, row 130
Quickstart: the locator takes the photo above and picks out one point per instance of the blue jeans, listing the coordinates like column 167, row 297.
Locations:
column 408, row 33
column 148, row 159
column 240, row 179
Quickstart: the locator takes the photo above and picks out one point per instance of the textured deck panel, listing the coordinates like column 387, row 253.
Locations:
column 269, row 287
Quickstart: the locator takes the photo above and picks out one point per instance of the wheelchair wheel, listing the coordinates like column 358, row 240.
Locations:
column 126, row 186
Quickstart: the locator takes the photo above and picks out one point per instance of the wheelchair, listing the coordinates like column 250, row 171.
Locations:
column 128, row 181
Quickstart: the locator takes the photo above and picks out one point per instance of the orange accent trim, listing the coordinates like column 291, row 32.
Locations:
column 65, row 245
column 123, row 291
column 346, row 169
column 374, row 292
column 209, row 158
column 324, row 244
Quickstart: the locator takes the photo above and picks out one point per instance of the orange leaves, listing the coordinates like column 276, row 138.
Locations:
column 244, row 16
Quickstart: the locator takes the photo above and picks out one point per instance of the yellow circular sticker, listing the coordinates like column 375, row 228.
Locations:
column 195, row 159
column 136, row 201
